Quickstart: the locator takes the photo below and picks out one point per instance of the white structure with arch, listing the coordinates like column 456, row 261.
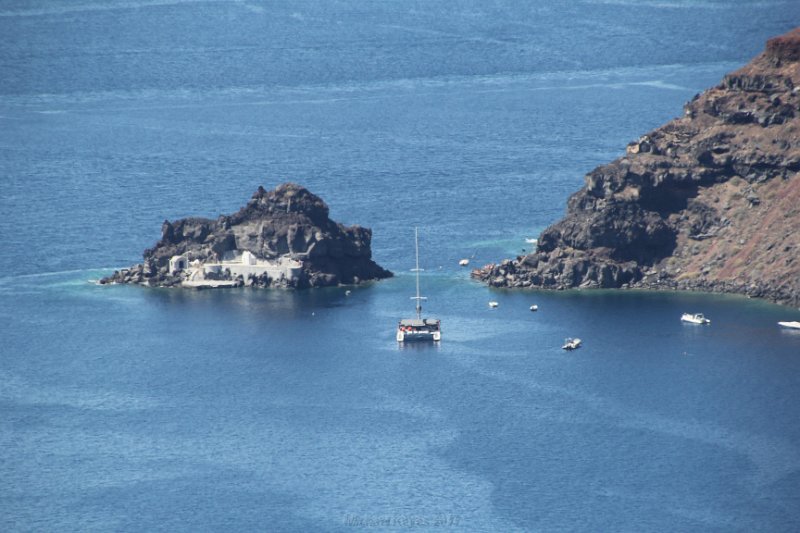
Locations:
column 178, row 263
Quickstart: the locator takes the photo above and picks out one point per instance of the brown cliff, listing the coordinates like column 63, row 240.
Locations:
column 709, row 201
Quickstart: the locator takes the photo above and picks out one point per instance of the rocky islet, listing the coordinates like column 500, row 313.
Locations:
column 286, row 225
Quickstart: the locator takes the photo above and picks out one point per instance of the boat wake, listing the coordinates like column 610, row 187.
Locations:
column 5, row 280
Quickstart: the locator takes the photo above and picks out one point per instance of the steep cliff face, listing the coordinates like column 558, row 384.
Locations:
column 709, row 201
column 287, row 223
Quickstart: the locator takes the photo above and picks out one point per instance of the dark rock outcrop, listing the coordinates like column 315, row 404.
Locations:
column 287, row 224
column 710, row 201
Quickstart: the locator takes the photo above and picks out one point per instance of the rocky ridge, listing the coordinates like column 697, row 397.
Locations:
column 288, row 223
column 709, row 201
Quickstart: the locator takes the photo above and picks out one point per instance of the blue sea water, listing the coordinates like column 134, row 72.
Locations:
column 132, row 409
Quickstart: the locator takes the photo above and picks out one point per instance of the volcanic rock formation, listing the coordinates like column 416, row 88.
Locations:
column 280, row 238
column 710, row 201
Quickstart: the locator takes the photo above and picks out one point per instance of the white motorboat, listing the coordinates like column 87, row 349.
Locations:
column 571, row 344
column 493, row 304
column 534, row 307
column 792, row 325
column 464, row 262
column 695, row 318
column 418, row 329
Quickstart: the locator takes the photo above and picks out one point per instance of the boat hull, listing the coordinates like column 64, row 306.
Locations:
column 419, row 336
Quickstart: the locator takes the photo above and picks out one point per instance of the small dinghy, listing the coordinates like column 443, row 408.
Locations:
column 571, row 344
column 534, row 307
column 493, row 304
column 695, row 318
column 464, row 262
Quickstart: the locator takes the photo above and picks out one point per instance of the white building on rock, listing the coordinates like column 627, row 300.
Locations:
column 246, row 265
column 178, row 263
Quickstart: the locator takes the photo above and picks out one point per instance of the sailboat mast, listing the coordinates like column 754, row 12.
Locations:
column 418, row 298
column 416, row 248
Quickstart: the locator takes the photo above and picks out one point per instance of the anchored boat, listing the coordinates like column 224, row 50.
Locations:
column 571, row 344
column 419, row 328
column 696, row 318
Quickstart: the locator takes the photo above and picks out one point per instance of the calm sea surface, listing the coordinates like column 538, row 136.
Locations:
column 132, row 409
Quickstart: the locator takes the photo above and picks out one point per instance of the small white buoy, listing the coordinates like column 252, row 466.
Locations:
column 464, row 262
column 534, row 307
column 493, row 304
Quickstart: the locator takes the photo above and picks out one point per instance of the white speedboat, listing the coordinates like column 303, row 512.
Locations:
column 534, row 307
column 571, row 344
column 419, row 328
column 464, row 262
column 695, row 318
column 792, row 325
column 493, row 304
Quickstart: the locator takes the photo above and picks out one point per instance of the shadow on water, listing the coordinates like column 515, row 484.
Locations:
column 246, row 301
column 420, row 347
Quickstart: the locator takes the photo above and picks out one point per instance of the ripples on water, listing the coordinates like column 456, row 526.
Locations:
column 133, row 409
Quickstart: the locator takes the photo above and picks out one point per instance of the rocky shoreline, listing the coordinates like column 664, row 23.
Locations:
column 281, row 238
column 708, row 202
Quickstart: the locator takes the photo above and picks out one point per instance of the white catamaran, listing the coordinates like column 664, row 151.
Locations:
column 418, row 329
